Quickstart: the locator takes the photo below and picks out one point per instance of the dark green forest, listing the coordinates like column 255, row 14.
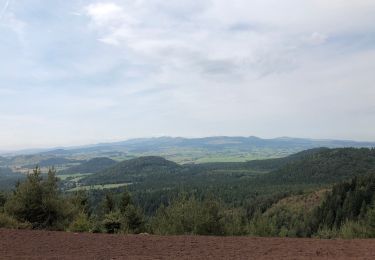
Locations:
column 94, row 165
column 322, row 192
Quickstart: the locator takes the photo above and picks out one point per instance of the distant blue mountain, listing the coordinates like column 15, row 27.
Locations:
column 207, row 149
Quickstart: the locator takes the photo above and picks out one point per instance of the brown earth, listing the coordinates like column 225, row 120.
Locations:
column 27, row 244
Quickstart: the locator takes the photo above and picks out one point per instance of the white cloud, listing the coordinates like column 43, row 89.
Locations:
column 112, row 21
column 200, row 36
column 4, row 8
column 103, row 13
column 10, row 21
column 123, row 68
column 317, row 38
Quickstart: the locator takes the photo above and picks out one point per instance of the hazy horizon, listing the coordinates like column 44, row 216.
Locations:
column 84, row 72
column 75, row 145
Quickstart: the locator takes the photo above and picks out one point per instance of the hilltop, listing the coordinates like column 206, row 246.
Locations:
column 326, row 166
column 129, row 170
column 94, row 165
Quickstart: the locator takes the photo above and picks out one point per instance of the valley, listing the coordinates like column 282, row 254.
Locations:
column 288, row 196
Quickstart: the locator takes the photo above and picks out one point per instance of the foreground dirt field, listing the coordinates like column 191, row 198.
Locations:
column 26, row 244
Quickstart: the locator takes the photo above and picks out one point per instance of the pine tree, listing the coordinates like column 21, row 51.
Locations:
column 109, row 203
column 125, row 201
column 38, row 202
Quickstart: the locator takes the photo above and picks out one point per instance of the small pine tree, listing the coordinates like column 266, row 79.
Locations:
column 38, row 202
column 125, row 201
column 134, row 221
column 80, row 200
column 109, row 203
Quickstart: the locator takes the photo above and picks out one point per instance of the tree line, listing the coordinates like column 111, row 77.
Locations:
column 347, row 211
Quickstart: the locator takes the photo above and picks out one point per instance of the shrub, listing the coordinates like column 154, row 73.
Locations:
column 112, row 222
column 353, row 229
column 132, row 220
column 81, row 223
column 189, row 216
column 7, row 221
column 326, row 233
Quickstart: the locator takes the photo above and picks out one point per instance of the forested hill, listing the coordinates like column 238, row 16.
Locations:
column 3, row 161
column 185, row 150
column 129, row 170
column 326, row 166
column 315, row 166
column 53, row 162
column 94, row 165
column 352, row 200
column 277, row 163
column 8, row 178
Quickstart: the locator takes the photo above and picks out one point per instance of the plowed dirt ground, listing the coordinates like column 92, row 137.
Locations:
column 28, row 244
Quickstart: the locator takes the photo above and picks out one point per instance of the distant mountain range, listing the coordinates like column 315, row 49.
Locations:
column 187, row 150
column 160, row 143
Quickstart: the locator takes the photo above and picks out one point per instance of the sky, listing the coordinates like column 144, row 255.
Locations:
column 80, row 72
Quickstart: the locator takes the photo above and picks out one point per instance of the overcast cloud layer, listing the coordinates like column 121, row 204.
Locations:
column 75, row 72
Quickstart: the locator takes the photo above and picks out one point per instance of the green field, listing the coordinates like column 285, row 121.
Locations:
column 73, row 177
column 100, row 187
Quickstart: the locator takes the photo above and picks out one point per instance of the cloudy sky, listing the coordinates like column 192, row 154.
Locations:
column 77, row 72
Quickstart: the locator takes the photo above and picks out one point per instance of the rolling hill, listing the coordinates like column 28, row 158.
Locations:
column 238, row 182
column 326, row 166
column 8, row 178
column 53, row 162
column 187, row 150
column 94, row 165
column 133, row 169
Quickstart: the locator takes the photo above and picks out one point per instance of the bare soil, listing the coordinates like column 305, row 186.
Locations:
column 28, row 244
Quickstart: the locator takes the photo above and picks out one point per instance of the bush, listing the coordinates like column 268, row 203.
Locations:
column 369, row 222
column 7, row 221
column 326, row 233
column 263, row 226
column 132, row 220
column 97, row 225
column 81, row 223
column 112, row 222
column 189, row 216
column 353, row 229
column 235, row 222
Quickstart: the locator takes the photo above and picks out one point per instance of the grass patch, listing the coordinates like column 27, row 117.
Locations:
column 73, row 177
column 100, row 187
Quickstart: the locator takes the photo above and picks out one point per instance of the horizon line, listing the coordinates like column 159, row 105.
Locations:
column 37, row 149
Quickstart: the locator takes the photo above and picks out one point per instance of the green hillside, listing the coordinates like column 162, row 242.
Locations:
column 154, row 179
column 8, row 178
column 94, row 165
column 319, row 192
column 312, row 167
column 326, row 166
column 352, row 200
column 53, row 162
column 133, row 170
